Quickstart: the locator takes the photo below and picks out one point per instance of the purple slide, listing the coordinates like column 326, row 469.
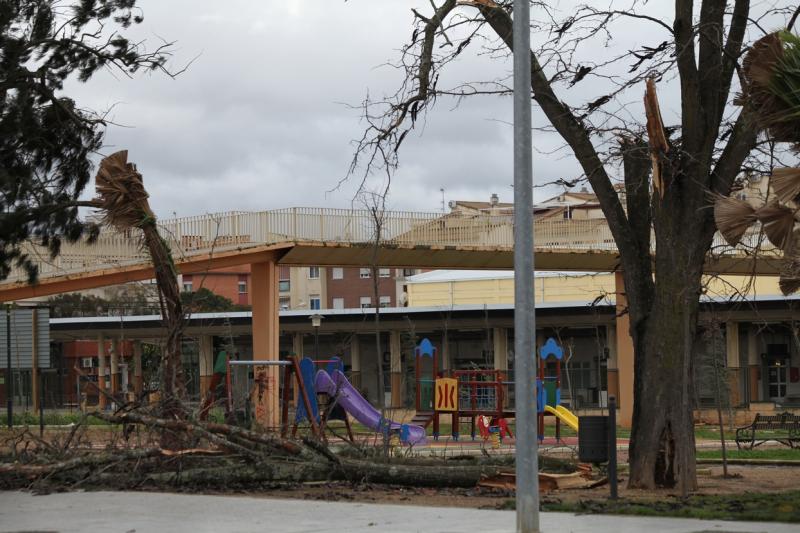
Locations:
column 355, row 404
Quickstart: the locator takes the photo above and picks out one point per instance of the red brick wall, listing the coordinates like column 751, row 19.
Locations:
column 73, row 351
column 352, row 287
column 224, row 282
column 88, row 348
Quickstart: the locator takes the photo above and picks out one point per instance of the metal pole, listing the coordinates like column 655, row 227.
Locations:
column 316, row 342
column 41, row 404
column 9, row 374
column 612, row 446
column 527, row 462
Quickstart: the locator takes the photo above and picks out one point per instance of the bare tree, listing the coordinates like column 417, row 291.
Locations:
column 713, row 375
column 376, row 206
column 700, row 50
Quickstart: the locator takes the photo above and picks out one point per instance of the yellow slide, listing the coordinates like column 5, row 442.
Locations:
column 564, row 414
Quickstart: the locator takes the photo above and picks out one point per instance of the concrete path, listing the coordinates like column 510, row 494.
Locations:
column 143, row 512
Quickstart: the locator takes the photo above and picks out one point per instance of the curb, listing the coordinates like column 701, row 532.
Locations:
column 751, row 462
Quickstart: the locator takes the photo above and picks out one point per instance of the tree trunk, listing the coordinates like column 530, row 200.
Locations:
column 173, row 387
column 662, row 448
column 662, row 441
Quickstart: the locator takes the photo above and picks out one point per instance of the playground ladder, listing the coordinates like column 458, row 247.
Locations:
column 422, row 418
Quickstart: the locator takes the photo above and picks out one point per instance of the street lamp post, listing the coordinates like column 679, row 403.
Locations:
column 9, row 374
column 527, row 464
column 316, row 321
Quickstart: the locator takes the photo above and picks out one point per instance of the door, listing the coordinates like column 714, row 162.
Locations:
column 776, row 378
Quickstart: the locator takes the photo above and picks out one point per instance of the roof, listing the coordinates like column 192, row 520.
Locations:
column 346, row 317
column 575, row 200
column 440, row 276
column 482, row 205
column 582, row 195
column 306, row 313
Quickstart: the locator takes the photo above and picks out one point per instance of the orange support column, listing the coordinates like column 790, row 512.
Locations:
column 264, row 298
column 624, row 355
column 206, row 360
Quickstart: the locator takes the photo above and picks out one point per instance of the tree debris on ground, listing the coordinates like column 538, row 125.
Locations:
column 216, row 456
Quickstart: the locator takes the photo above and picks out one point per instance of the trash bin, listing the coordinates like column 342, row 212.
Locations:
column 593, row 439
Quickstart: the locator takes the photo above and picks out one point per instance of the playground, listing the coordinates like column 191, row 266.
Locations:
column 478, row 404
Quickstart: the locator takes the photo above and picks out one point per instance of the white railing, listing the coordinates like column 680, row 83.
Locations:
column 239, row 229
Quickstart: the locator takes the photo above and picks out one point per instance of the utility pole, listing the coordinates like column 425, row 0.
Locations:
column 527, row 460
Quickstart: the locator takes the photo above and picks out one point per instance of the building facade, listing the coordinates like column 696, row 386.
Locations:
column 754, row 344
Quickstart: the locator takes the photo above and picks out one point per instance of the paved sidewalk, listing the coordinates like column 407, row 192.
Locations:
column 145, row 512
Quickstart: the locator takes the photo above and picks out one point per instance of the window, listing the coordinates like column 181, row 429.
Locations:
column 409, row 272
column 313, row 272
column 365, row 301
column 242, row 287
column 314, row 301
column 87, row 362
column 338, row 303
column 338, row 273
column 285, row 303
column 284, row 285
column 187, row 286
column 364, row 273
column 567, row 213
column 385, row 272
column 386, row 301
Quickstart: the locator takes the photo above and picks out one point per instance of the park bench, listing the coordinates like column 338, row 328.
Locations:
column 783, row 428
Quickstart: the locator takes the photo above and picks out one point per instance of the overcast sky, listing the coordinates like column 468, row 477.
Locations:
column 260, row 120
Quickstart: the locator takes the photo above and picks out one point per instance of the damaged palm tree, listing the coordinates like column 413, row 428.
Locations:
column 772, row 88
column 122, row 197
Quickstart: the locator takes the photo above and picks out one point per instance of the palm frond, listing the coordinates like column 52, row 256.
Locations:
column 120, row 192
column 786, row 184
column 772, row 84
column 733, row 217
column 790, row 273
column 778, row 222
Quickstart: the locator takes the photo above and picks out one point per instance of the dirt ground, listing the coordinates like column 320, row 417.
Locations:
column 760, row 479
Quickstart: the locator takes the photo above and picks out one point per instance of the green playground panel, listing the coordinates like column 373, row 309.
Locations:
column 550, row 390
column 426, row 394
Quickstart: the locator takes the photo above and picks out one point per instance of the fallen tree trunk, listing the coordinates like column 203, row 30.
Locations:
column 348, row 470
column 415, row 475
column 90, row 460
column 263, row 472
column 273, row 470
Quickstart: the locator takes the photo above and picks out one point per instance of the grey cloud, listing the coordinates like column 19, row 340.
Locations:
column 258, row 121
